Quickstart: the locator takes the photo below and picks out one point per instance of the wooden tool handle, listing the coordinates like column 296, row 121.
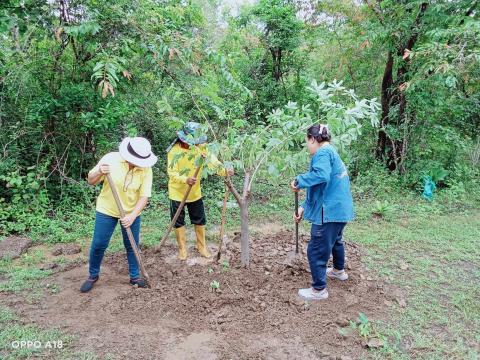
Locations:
column 131, row 239
column 115, row 196
column 222, row 226
column 296, row 223
column 180, row 207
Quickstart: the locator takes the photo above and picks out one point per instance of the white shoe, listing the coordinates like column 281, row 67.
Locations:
column 312, row 294
column 337, row 274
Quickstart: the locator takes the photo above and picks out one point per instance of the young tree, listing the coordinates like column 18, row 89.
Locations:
column 274, row 150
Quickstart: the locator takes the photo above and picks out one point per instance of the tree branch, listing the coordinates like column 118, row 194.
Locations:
column 232, row 189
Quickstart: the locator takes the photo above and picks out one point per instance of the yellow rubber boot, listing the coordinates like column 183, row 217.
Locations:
column 182, row 242
column 201, row 244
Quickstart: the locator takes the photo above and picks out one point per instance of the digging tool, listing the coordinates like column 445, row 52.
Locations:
column 296, row 223
column 222, row 226
column 136, row 250
column 179, row 210
column 294, row 256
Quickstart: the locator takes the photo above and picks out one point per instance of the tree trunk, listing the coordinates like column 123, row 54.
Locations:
column 244, row 239
column 392, row 95
column 398, row 99
column 277, row 63
column 242, row 201
column 386, row 96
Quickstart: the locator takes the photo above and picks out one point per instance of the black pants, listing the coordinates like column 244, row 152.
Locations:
column 196, row 212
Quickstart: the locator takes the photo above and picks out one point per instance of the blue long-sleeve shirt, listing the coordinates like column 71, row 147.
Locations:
column 327, row 184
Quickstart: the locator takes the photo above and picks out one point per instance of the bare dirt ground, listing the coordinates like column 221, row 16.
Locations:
column 255, row 314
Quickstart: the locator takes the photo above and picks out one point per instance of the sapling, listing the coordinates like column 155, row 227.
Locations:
column 363, row 325
column 215, row 285
column 225, row 265
column 270, row 150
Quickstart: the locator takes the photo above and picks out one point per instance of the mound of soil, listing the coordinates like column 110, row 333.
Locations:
column 66, row 249
column 14, row 246
column 255, row 313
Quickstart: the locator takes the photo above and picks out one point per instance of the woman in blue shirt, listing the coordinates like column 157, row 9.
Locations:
column 328, row 206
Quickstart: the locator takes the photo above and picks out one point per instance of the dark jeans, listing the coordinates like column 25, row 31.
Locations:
column 326, row 240
column 104, row 227
column 196, row 212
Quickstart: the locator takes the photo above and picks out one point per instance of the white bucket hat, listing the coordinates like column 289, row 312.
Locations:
column 137, row 151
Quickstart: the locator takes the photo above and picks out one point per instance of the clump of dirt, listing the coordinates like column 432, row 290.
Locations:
column 254, row 314
column 14, row 246
column 66, row 249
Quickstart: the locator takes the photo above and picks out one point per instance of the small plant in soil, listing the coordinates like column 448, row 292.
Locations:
column 382, row 210
column 225, row 265
column 363, row 325
column 215, row 285
column 210, row 270
column 372, row 338
column 53, row 288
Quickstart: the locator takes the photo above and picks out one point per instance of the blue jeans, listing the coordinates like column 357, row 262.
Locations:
column 104, row 227
column 326, row 240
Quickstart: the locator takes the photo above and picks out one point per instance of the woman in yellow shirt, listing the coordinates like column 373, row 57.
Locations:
column 181, row 165
column 131, row 172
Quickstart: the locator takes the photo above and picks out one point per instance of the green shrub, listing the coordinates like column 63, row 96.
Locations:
column 24, row 200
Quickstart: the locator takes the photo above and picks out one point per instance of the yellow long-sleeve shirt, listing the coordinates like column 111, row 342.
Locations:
column 184, row 168
column 131, row 185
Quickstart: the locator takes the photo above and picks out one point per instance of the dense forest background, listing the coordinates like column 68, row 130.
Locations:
column 76, row 76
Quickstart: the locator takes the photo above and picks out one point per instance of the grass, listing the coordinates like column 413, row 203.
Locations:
column 25, row 274
column 22, row 274
column 435, row 261
column 46, row 343
column 427, row 250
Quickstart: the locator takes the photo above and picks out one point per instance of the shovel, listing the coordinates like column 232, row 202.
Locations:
column 222, row 226
column 179, row 210
column 296, row 223
column 136, row 250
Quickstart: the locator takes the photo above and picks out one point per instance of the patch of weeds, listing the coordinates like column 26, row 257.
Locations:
column 82, row 356
column 5, row 264
column 65, row 227
column 383, row 210
column 373, row 339
column 21, row 278
column 33, row 257
column 362, row 325
column 53, row 288
column 87, row 356
column 61, row 260
column 6, row 315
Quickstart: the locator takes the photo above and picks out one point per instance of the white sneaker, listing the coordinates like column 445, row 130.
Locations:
column 312, row 294
column 337, row 274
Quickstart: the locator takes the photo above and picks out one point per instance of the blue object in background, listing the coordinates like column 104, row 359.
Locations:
column 428, row 188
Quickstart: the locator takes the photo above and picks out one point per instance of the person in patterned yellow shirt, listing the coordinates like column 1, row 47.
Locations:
column 131, row 172
column 182, row 159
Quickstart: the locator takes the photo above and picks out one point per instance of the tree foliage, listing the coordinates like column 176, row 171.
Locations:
column 76, row 76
